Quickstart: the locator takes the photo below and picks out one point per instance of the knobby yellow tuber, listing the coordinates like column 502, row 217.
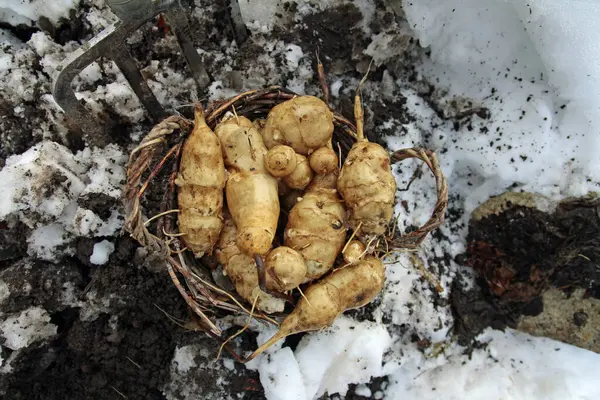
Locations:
column 301, row 176
column 285, row 269
column 316, row 227
column 242, row 270
column 201, row 180
column 324, row 160
column 242, row 145
column 280, row 161
column 250, row 191
column 293, row 169
column 366, row 184
column 304, row 123
column 347, row 288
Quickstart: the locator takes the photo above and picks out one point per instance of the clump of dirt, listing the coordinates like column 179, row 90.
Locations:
column 128, row 350
column 13, row 240
column 16, row 134
column 330, row 30
column 518, row 253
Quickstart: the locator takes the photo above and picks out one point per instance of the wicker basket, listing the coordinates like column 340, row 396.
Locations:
column 150, row 190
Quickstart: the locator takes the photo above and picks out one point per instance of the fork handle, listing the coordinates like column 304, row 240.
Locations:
column 128, row 10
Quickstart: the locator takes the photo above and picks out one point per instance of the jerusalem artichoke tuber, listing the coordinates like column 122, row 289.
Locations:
column 366, row 184
column 201, row 180
column 304, row 123
column 242, row 270
column 344, row 289
column 316, row 228
column 251, row 192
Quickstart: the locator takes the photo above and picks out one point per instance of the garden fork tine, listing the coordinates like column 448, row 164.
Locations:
column 111, row 43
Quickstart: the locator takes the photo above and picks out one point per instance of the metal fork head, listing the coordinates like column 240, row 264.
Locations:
column 136, row 9
column 111, row 44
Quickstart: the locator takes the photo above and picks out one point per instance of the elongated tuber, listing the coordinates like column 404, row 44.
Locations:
column 305, row 123
column 201, row 181
column 251, row 192
column 254, row 205
column 345, row 289
column 316, row 228
column 285, row 269
column 366, row 184
column 242, row 270
column 242, row 145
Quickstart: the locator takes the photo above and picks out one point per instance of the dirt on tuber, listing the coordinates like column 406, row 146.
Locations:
column 201, row 180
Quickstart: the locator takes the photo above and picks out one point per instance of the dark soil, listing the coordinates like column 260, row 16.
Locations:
column 521, row 252
column 86, row 359
column 128, row 350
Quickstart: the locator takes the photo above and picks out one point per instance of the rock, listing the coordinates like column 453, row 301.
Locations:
column 573, row 319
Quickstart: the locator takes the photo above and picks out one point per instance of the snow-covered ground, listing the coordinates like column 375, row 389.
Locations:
column 534, row 67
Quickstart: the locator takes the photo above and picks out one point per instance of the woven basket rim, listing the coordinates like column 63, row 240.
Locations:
column 207, row 298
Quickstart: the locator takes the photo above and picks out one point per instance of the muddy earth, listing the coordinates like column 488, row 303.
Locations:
column 120, row 327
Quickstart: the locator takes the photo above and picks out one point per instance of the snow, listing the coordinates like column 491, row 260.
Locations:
column 348, row 352
column 102, row 250
column 42, row 188
column 324, row 362
column 259, row 16
column 281, row 369
column 26, row 12
column 363, row 390
column 184, row 358
column 31, row 325
column 542, row 65
column 4, row 291
column 512, row 366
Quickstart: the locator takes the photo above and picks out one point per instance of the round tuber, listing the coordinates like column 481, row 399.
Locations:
column 280, row 161
column 285, row 269
column 305, row 123
column 353, row 251
column 323, row 160
column 301, row 176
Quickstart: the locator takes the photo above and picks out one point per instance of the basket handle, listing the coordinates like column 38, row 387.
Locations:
column 413, row 239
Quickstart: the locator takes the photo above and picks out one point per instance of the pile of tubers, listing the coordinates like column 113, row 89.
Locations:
column 244, row 182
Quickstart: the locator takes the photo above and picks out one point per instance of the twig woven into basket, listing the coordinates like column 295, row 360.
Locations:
column 161, row 149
